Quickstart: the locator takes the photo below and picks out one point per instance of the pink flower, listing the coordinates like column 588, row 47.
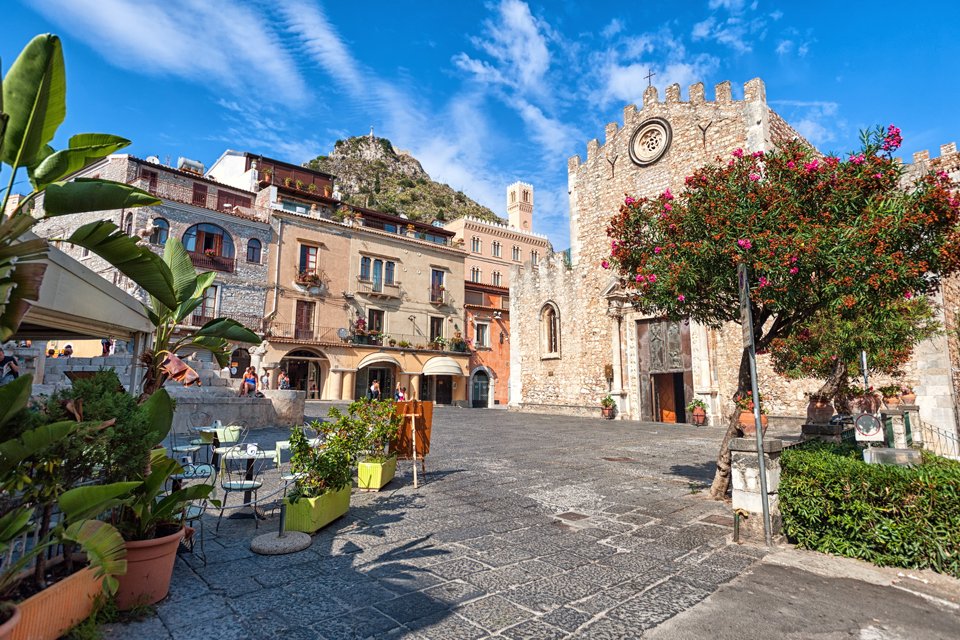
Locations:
column 688, row 180
column 738, row 153
column 908, row 294
column 812, row 165
column 605, row 264
column 744, row 243
column 639, row 277
column 628, row 201
column 857, row 159
column 878, row 175
column 794, row 270
column 754, row 176
column 763, row 281
column 758, row 154
column 667, row 195
column 893, row 139
column 681, row 298
column 793, row 258
column 672, row 227
column 667, row 207
column 614, row 245
column 791, row 164
column 652, row 277
column 657, row 249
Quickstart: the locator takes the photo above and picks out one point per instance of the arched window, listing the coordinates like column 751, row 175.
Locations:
column 208, row 239
column 253, row 250
column 475, row 274
column 549, row 331
column 496, row 249
column 128, row 224
column 476, row 245
column 161, row 231
column 365, row 268
column 389, row 272
column 496, row 278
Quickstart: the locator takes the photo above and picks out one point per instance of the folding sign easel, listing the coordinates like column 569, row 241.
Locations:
column 413, row 440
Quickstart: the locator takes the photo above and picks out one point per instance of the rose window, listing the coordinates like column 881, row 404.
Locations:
column 650, row 141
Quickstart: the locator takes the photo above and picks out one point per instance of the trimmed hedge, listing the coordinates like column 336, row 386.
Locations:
column 834, row 502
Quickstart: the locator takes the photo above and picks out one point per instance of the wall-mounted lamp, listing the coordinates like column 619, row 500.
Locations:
column 502, row 337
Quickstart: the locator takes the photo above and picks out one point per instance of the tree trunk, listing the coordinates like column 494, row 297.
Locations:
column 835, row 387
column 40, row 566
column 721, row 481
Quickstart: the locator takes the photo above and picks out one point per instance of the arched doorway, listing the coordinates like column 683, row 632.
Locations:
column 239, row 361
column 307, row 370
column 480, row 390
column 380, row 367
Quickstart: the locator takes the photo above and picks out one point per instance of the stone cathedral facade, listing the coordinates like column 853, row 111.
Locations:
column 575, row 336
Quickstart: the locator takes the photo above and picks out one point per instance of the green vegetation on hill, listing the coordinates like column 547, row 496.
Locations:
column 371, row 173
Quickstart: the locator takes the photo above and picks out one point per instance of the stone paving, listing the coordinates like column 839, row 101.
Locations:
column 528, row 526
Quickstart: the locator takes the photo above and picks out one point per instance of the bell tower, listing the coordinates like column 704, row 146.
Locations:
column 520, row 206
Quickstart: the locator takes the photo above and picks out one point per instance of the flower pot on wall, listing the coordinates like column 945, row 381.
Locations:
column 698, row 417
column 892, row 402
column 312, row 514
column 819, row 411
column 149, row 569
column 48, row 614
column 908, row 398
column 373, row 476
column 749, row 426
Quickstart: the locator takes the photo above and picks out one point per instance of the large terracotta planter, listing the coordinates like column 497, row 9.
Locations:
column 819, row 411
column 908, row 398
column 607, row 412
column 7, row 628
column 749, row 426
column 892, row 402
column 698, row 417
column 373, row 476
column 312, row 514
column 149, row 569
column 49, row 614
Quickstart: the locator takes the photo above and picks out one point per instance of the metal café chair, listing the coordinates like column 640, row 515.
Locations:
column 194, row 511
column 240, row 472
column 181, row 452
column 282, row 463
column 204, row 439
column 225, row 438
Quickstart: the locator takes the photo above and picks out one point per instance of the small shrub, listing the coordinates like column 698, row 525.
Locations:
column 832, row 501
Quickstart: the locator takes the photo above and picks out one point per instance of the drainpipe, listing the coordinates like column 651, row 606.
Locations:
column 276, row 278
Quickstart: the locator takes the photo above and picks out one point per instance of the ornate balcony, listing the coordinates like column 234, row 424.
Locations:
column 212, row 262
column 378, row 289
column 438, row 295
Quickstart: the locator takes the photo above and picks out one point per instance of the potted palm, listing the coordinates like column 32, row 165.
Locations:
column 321, row 491
column 608, row 407
column 698, row 412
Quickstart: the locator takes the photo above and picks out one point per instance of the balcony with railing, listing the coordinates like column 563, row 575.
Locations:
column 301, row 333
column 188, row 195
column 438, row 295
column 378, row 288
column 212, row 262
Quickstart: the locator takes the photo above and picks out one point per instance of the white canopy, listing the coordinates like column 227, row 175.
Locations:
column 442, row 366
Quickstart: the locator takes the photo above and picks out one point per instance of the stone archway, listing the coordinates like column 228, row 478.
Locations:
column 482, row 381
column 239, row 361
column 308, row 371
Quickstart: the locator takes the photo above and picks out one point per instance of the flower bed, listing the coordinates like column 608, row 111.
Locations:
column 832, row 501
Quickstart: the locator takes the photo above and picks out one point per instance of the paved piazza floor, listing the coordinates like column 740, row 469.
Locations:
column 528, row 526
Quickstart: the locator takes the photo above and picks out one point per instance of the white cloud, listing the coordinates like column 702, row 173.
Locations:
column 814, row 131
column 612, row 29
column 776, row 15
column 322, row 43
column 784, row 47
column 816, row 120
column 226, row 45
column 733, row 6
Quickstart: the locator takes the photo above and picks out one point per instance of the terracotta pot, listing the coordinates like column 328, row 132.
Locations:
column 892, row 402
column 8, row 627
column 865, row 404
column 49, row 614
column 908, row 398
column 149, row 569
column 747, row 424
column 819, row 411
column 607, row 412
column 698, row 417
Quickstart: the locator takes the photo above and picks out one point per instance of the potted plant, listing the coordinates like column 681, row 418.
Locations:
column 698, row 412
column 321, row 491
column 266, row 177
column 299, row 184
column 891, row 395
column 312, row 188
column 819, row 409
column 608, row 407
column 907, row 395
column 391, row 341
column 327, row 191
column 403, row 344
column 863, row 400
column 375, row 424
column 288, row 182
column 747, row 423
column 36, row 464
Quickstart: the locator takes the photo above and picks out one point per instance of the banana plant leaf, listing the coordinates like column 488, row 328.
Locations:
column 93, row 194
column 136, row 262
column 34, row 98
column 90, row 501
column 15, row 451
column 159, row 410
column 181, row 267
column 14, row 397
column 104, row 547
column 228, row 329
column 83, row 149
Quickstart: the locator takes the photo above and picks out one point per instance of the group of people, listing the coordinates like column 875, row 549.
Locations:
column 399, row 394
column 250, row 385
column 66, row 352
column 9, row 368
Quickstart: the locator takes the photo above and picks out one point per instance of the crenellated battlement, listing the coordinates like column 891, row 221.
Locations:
column 948, row 159
column 754, row 91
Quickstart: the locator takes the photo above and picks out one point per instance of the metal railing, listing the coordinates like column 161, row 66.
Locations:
column 375, row 288
column 215, row 263
column 293, row 331
column 438, row 295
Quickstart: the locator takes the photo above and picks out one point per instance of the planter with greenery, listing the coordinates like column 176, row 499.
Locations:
column 819, row 409
column 608, row 407
column 891, row 395
column 321, row 492
column 698, row 412
column 907, row 395
column 746, row 420
column 832, row 501
column 377, row 422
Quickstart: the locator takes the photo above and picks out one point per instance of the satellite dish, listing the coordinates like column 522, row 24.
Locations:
column 343, row 334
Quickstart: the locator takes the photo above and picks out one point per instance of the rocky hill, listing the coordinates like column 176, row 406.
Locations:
column 371, row 173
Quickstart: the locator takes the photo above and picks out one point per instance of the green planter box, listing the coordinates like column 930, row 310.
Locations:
column 312, row 514
column 372, row 476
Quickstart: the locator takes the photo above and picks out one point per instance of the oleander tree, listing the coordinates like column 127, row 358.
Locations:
column 820, row 236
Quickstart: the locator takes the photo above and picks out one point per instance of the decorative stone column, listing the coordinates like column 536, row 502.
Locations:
column 414, row 388
column 745, row 469
column 346, row 391
column 336, row 388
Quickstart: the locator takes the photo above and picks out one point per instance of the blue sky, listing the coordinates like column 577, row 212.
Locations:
column 483, row 93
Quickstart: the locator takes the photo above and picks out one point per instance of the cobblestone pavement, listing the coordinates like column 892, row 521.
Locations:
column 528, row 526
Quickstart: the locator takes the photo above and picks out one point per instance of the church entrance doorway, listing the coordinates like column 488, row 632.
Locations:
column 666, row 373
